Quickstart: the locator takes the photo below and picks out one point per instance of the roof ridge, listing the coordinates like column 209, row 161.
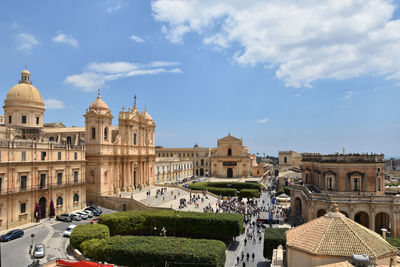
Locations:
column 359, row 238
column 323, row 237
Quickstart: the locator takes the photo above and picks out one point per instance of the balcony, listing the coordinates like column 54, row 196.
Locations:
column 17, row 190
column 332, row 196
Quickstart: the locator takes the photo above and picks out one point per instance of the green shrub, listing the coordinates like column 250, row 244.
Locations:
column 85, row 232
column 236, row 185
column 198, row 186
column 395, row 242
column 249, row 193
column 222, row 226
column 225, row 192
column 273, row 237
column 156, row 251
column 285, row 190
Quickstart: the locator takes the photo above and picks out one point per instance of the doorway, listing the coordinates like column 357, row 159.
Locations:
column 229, row 173
column 201, row 172
column 42, row 204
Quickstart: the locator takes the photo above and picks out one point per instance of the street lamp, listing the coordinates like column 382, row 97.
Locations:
column 31, row 247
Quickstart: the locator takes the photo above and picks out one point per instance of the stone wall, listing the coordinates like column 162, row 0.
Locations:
column 117, row 203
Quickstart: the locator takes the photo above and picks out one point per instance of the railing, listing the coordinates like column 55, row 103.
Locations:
column 38, row 187
column 344, row 196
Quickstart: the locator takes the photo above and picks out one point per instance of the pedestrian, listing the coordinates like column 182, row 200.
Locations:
column 259, row 240
column 247, row 256
column 254, row 240
column 244, row 264
column 237, row 260
column 242, row 255
column 245, row 241
column 252, row 255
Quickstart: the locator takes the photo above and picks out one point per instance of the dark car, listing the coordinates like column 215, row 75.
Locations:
column 96, row 210
column 14, row 234
column 66, row 217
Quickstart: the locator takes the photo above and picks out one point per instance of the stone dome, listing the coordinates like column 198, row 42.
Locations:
column 24, row 92
column 98, row 104
column 147, row 116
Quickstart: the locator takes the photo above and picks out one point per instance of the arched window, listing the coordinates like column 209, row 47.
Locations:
column 59, row 201
column 105, row 133
column 69, row 140
column 76, row 197
column 202, row 162
column 229, row 152
column 51, row 138
column 134, row 139
column 93, row 133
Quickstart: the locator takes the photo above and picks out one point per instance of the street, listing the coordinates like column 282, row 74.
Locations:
column 15, row 253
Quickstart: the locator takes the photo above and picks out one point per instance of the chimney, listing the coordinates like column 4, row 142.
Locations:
column 384, row 231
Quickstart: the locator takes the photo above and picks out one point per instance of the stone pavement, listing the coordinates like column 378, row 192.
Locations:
column 168, row 200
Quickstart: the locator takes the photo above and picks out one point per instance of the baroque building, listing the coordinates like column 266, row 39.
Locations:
column 229, row 160
column 172, row 170
column 37, row 175
column 355, row 182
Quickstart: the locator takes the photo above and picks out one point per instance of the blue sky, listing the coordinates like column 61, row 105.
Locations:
column 309, row 76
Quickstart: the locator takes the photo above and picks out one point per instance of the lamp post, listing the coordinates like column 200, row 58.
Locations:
column 31, row 250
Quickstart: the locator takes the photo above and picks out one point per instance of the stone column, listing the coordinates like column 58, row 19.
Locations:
column 372, row 219
column 394, row 223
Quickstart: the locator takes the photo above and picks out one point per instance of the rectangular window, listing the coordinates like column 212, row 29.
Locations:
column 206, row 154
column 23, row 156
column 179, row 154
column 134, row 139
column 356, row 184
column 9, row 119
column 23, row 183
column 330, row 183
column 75, row 155
column 59, row 155
column 37, row 120
column 23, row 119
column 42, row 180
column 1, row 183
column 76, row 173
column 379, row 184
column 43, row 155
column 93, row 133
column 59, row 178
column 23, row 208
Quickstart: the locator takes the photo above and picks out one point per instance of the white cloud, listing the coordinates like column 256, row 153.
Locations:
column 263, row 120
column 297, row 95
column 26, row 41
column 349, row 94
column 65, row 39
column 96, row 74
column 302, row 41
column 136, row 38
column 51, row 103
column 114, row 5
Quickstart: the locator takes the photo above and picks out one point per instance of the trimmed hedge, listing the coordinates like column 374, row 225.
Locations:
column 236, row 185
column 85, row 232
column 249, row 193
column 285, row 190
column 221, row 226
column 156, row 251
column 273, row 237
column 226, row 192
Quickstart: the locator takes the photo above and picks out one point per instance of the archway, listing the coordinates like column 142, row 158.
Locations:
column 42, row 204
column 229, row 173
column 320, row 213
column 382, row 220
column 201, row 172
column 297, row 206
column 362, row 218
column 197, row 172
column 344, row 213
column 69, row 140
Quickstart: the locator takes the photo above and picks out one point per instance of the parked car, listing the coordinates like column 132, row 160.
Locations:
column 95, row 220
column 96, row 210
column 89, row 213
column 39, row 251
column 84, row 215
column 66, row 217
column 68, row 231
column 76, row 217
column 14, row 234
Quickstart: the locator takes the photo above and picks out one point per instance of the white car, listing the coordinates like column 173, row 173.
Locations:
column 84, row 215
column 39, row 251
column 89, row 213
column 68, row 231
